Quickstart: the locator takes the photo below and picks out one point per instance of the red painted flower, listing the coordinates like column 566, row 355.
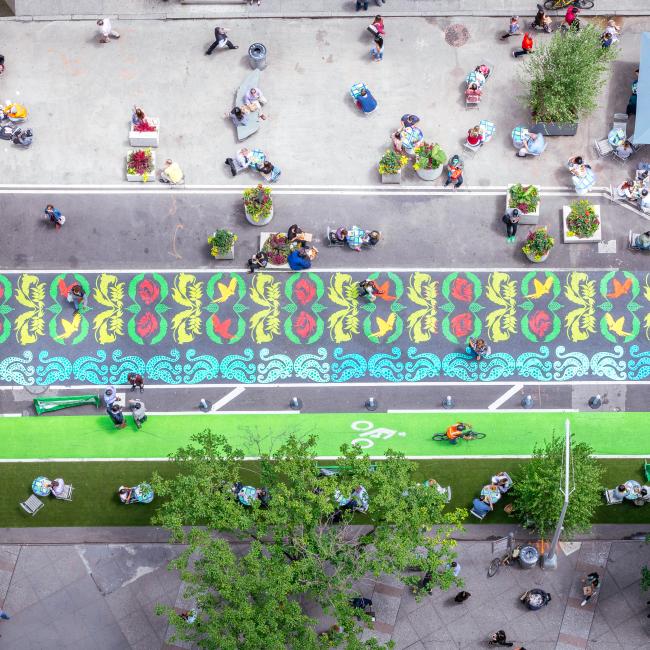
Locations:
column 462, row 289
column 540, row 323
column 147, row 325
column 463, row 324
column 304, row 325
column 2, row 291
column 304, row 290
column 148, row 291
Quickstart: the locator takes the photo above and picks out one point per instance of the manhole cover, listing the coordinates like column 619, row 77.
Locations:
column 456, row 35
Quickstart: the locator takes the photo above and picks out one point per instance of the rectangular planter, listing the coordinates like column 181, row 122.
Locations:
column 530, row 219
column 597, row 236
column 230, row 255
column 392, row 178
column 555, row 128
column 137, row 178
column 145, row 138
column 284, row 267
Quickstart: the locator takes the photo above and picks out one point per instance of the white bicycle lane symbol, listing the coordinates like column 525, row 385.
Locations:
column 367, row 431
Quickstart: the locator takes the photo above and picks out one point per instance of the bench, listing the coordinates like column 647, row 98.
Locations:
column 252, row 81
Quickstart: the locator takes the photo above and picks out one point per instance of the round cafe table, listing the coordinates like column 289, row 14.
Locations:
column 143, row 493
column 41, row 486
column 247, row 495
column 631, row 486
column 491, row 492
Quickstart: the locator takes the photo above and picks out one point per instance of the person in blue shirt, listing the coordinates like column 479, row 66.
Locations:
column 299, row 260
column 54, row 215
column 365, row 101
column 482, row 506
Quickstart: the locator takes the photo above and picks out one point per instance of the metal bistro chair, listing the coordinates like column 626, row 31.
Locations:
column 32, row 505
column 620, row 122
column 66, row 495
column 603, row 147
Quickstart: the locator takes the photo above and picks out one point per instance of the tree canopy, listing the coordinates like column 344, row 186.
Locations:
column 260, row 573
column 537, row 497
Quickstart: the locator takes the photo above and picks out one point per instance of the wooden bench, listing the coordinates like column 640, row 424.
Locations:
column 252, row 81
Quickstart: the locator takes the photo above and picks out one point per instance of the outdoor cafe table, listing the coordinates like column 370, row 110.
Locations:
column 633, row 488
column 491, row 492
column 41, row 486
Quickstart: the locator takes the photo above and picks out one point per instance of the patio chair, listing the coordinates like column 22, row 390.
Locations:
column 32, row 505
column 472, row 101
column 66, row 495
column 620, row 122
column 448, row 491
column 478, row 515
column 603, row 147
column 610, row 498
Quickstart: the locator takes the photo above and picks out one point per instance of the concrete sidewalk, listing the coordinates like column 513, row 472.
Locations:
column 176, row 9
column 80, row 93
column 103, row 595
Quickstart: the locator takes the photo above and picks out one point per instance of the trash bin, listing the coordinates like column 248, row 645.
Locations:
column 528, row 557
column 257, row 56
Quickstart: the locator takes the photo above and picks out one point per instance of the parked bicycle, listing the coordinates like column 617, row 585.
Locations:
column 505, row 560
column 563, row 4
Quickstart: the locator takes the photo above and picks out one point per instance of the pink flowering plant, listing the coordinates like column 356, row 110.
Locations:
column 258, row 202
column 139, row 162
column 582, row 221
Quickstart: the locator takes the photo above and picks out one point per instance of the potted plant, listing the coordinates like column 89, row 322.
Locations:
column 564, row 77
column 526, row 199
column 538, row 244
column 222, row 244
column 581, row 221
column 390, row 166
column 145, row 134
column 277, row 249
column 258, row 205
column 429, row 160
column 140, row 165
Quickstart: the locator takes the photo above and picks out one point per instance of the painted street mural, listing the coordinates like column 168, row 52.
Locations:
column 230, row 327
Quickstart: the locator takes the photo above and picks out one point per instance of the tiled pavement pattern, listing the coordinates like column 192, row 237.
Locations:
column 100, row 596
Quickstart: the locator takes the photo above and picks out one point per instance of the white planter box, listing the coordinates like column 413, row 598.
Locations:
column 568, row 239
column 263, row 237
column 145, row 138
column 137, row 178
column 392, row 178
column 261, row 222
column 429, row 174
column 530, row 219
column 230, row 255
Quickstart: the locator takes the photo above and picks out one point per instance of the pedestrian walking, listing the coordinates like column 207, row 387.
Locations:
column 77, row 296
column 376, row 28
column 511, row 220
column 6, row 617
column 377, row 52
column 115, row 413
column 138, row 411
column 513, row 28
column 455, row 567
column 54, row 216
column 526, row 46
column 454, row 171
column 221, row 41
column 136, row 381
column 110, row 396
column 499, row 638
column 462, row 596
column 106, row 31
column 364, row 3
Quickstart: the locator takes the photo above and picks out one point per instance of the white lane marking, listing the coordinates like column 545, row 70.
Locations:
column 199, row 412
column 11, row 415
column 235, row 392
column 505, row 397
column 487, row 410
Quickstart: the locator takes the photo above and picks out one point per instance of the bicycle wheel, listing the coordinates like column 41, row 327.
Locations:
column 556, row 4
column 475, row 435
column 494, row 567
column 584, row 4
column 439, row 436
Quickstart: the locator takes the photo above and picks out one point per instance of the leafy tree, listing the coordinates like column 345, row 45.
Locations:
column 564, row 76
column 253, row 570
column 537, row 497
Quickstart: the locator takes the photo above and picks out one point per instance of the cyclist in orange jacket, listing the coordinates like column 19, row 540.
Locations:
column 456, row 431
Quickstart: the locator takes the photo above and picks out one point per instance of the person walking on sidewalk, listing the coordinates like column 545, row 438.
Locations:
column 454, row 171
column 136, row 380
column 106, row 31
column 221, row 40
column 364, row 3
column 513, row 28
column 499, row 638
column 526, row 46
column 138, row 411
column 377, row 52
column 77, row 296
column 54, row 216
column 462, row 596
column 115, row 413
column 512, row 221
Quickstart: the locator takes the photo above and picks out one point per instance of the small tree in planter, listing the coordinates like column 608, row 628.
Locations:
column 221, row 243
column 429, row 159
column 564, row 77
column 538, row 244
column 582, row 221
column 140, row 164
column 258, row 205
column 523, row 197
column 390, row 166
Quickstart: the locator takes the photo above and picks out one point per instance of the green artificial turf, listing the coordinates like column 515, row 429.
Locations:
column 95, row 501
column 507, row 433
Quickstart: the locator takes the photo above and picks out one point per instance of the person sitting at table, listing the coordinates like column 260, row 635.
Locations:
column 642, row 241
column 138, row 116
column 407, row 140
column 482, row 505
column 294, row 233
column 533, row 144
column 269, row 171
column 58, row 486
column 475, row 136
column 619, row 493
column 624, row 150
column 15, row 112
column 126, row 494
column 172, row 173
column 502, row 481
column 300, row 259
column 237, row 116
column 254, row 95
column 408, row 119
column 371, row 238
column 473, row 91
column 644, row 201
column 365, row 101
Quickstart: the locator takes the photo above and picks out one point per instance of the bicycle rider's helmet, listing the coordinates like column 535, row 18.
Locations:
column 461, row 427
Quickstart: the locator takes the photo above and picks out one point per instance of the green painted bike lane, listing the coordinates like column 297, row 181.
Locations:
column 508, row 434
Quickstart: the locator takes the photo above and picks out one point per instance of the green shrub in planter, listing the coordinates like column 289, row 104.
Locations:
column 565, row 75
column 582, row 221
column 221, row 241
column 429, row 156
column 392, row 162
column 538, row 244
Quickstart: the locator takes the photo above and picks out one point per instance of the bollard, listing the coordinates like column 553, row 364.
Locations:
column 595, row 401
column 295, row 403
column 528, row 402
column 204, row 405
column 371, row 404
column 448, row 403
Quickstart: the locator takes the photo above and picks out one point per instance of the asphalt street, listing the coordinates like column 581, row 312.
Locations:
column 169, row 230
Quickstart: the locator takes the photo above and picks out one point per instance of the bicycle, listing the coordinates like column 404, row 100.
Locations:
column 563, row 4
column 467, row 435
column 505, row 560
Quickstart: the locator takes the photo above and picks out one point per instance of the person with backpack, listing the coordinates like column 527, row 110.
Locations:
column 54, row 216
column 526, row 46
column 454, row 171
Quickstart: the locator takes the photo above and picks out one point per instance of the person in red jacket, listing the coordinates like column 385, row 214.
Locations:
column 571, row 15
column 526, row 46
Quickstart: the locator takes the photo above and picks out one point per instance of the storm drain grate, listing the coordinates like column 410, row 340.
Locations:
column 456, row 35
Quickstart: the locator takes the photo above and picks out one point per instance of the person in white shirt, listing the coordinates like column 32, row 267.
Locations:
column 110, row 395
column 58, row 486
column 106, row 30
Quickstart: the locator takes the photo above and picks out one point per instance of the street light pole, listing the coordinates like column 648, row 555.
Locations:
column 549, row 560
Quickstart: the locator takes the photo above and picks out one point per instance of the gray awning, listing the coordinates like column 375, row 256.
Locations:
column 642, row 123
